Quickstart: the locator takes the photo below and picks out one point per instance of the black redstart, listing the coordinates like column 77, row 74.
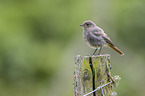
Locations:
column 96, row 38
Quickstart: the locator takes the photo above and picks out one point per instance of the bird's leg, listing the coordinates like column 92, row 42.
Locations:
column 94, row 51
column 100, row 50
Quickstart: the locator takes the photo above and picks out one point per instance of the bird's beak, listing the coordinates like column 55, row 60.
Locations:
column 81, row 25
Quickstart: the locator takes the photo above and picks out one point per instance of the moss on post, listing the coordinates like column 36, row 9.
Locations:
column 82, row 76
column 84, row 71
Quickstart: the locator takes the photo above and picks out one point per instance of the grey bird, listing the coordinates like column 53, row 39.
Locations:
column 96, row 38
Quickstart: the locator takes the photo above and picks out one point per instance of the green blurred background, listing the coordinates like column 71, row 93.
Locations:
column 39, row 40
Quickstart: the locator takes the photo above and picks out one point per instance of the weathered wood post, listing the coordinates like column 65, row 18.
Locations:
column 92, row 72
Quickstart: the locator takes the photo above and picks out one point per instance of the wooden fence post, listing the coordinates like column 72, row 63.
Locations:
column 92, row 72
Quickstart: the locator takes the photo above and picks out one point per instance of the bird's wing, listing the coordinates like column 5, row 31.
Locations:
column 104, row 36
column 107, row 39
column 98, row 33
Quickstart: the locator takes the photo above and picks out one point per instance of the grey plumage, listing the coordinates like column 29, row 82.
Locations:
column 96, row 38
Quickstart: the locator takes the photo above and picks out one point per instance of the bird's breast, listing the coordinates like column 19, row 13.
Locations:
column 93, row 41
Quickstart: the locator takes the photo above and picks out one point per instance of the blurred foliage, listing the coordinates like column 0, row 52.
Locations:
column 33, row 34
column 40, row 38
column 130, row 22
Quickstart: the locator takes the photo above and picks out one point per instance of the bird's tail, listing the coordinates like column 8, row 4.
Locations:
column 116, row 49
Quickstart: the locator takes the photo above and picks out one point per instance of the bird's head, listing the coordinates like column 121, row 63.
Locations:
column 88, row 24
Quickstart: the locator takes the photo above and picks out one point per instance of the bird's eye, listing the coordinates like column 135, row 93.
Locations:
column 87, row 24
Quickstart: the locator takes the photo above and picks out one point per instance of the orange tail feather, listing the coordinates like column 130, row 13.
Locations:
column 116, row 49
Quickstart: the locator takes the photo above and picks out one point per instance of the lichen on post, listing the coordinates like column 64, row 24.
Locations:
column 90, row 73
